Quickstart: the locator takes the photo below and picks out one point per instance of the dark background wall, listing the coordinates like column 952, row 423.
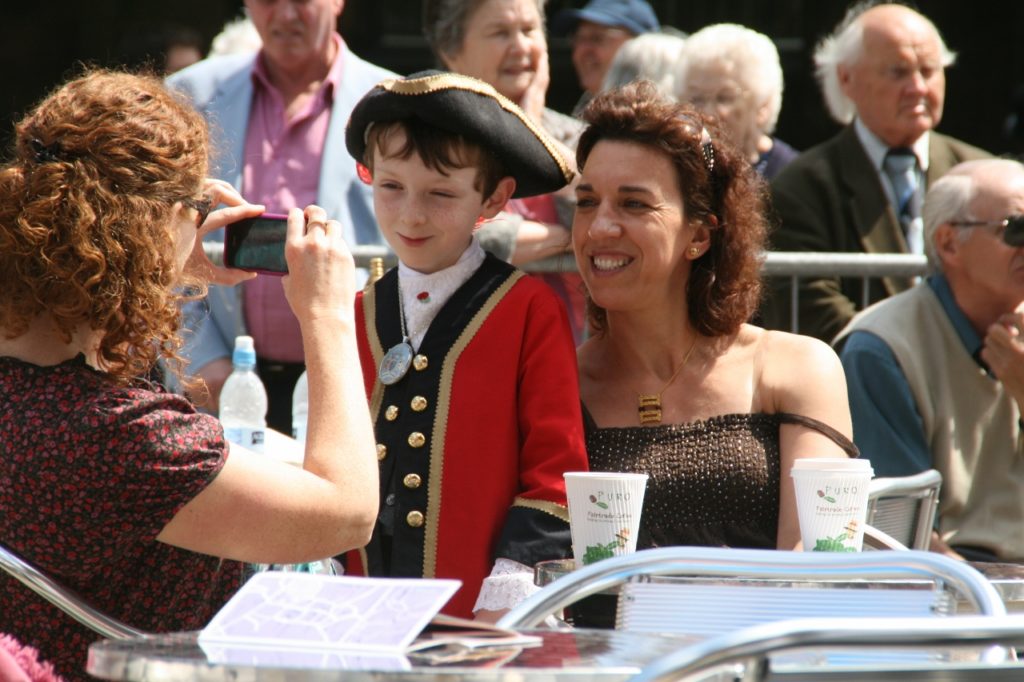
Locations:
column 41, row 43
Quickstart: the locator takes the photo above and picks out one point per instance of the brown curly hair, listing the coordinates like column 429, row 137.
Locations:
column 86, row 208
column 724, row 288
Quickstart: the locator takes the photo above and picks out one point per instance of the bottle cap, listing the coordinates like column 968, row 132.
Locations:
column 245, row 352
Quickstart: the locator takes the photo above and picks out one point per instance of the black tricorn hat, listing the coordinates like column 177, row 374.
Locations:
column 472, row 108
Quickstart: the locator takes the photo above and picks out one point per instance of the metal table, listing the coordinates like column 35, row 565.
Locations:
column 563, row 656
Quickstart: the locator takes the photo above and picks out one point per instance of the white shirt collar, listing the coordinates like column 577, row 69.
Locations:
column 439, row 286
column 876, row 149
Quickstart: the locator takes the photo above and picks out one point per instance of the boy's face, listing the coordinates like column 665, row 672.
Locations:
column 427, row 217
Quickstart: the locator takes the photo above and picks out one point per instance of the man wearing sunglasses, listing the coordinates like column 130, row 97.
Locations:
column 936, row 374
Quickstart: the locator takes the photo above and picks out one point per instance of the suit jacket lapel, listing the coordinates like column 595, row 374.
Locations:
column 940, row 158
column 339, row 186
column 874, row 218
column 229, row 119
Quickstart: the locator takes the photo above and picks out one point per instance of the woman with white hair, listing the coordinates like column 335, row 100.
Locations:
column 648, row 56
column 733, row 73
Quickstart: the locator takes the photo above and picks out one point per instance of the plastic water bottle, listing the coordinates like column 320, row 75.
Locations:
column 300, row 408
column 243, row 400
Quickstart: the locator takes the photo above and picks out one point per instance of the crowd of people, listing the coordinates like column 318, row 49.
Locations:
column 447, row 398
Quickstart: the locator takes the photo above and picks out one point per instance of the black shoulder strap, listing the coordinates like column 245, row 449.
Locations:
column 821, row 427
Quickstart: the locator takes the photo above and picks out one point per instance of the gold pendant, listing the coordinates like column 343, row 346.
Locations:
column 649, row 409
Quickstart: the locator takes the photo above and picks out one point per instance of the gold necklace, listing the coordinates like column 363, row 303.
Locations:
column 649, row 405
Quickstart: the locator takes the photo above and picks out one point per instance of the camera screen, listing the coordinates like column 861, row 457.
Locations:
column 257, row 244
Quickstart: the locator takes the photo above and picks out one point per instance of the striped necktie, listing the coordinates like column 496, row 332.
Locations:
column 901, row 167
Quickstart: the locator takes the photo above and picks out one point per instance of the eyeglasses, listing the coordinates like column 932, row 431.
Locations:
column 1010, row 229
column 723, row 98
column 202, row 206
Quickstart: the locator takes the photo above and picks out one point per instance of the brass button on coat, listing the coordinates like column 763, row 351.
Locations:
column 420, row 362
column 391, row 414
column 417, row 439
column 418, row 403
column 382, row 452
column 414, row 519
column 412, row 481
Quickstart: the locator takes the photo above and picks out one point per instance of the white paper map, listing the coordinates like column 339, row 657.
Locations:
column 280, row 609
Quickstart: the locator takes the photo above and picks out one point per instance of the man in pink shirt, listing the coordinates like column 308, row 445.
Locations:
column 278, row 118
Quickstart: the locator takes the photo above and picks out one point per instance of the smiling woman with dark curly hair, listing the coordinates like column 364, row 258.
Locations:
column 108, row 484
column 668, row 235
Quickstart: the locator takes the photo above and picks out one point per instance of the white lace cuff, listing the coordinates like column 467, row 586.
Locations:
column 509, row 583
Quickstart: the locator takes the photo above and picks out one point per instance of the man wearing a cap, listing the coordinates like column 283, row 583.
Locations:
column 936, row 374
column 598, row 30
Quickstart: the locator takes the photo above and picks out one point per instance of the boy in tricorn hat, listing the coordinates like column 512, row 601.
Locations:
column 469, row 364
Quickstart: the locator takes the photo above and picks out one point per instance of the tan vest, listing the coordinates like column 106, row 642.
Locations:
column 970, row 422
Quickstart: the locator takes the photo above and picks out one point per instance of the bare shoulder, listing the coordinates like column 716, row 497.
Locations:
column 793, row 356
column 800, row 374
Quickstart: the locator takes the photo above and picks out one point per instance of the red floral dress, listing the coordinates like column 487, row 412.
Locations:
column 90, row 473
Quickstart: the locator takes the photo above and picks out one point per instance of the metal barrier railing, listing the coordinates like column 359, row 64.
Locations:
column 866, row 266
column 792, row 264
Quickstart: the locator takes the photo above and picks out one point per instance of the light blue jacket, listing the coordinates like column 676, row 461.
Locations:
column 221, row 89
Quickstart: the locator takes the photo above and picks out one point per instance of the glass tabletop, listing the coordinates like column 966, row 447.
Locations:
column 562, row 656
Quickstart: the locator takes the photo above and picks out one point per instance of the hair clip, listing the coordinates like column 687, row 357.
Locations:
column 44, row 153
column 707, row 149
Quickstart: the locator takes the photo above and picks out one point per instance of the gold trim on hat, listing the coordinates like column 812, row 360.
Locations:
column 440, row 429
column 559, row 511
column 457, row 81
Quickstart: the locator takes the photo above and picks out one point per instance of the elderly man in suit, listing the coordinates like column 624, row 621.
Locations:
column 935, row 374
column 278, row 120
column 883, row 74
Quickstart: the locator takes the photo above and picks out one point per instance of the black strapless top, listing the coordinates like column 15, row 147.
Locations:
column 711, row 482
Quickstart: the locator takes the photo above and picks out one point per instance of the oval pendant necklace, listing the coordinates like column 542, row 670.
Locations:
column 398, row 359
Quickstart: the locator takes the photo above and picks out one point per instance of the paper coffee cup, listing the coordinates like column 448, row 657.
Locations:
column 832, row 502
column 604, row 513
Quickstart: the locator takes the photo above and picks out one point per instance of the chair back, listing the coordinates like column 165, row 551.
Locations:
column 707, row 608
column 739, row 587
column 63, row 598
column 904, row 506
column 752, row 647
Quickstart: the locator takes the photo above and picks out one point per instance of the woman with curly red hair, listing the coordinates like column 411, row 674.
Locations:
column 668, row 235
column 117, row 489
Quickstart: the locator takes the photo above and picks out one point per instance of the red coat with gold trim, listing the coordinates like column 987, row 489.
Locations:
column 474, row 440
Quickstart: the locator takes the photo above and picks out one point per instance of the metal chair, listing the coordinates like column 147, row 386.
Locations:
column 751, row 648
column 904, row 507
column 736, row 587
column 875, row 538
column 63, row 598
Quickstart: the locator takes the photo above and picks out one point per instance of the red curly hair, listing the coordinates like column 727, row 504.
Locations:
column 86, row 209
column 724, row 288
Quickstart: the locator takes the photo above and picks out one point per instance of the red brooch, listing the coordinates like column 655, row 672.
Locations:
column 423, row 296
column 364, row 173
